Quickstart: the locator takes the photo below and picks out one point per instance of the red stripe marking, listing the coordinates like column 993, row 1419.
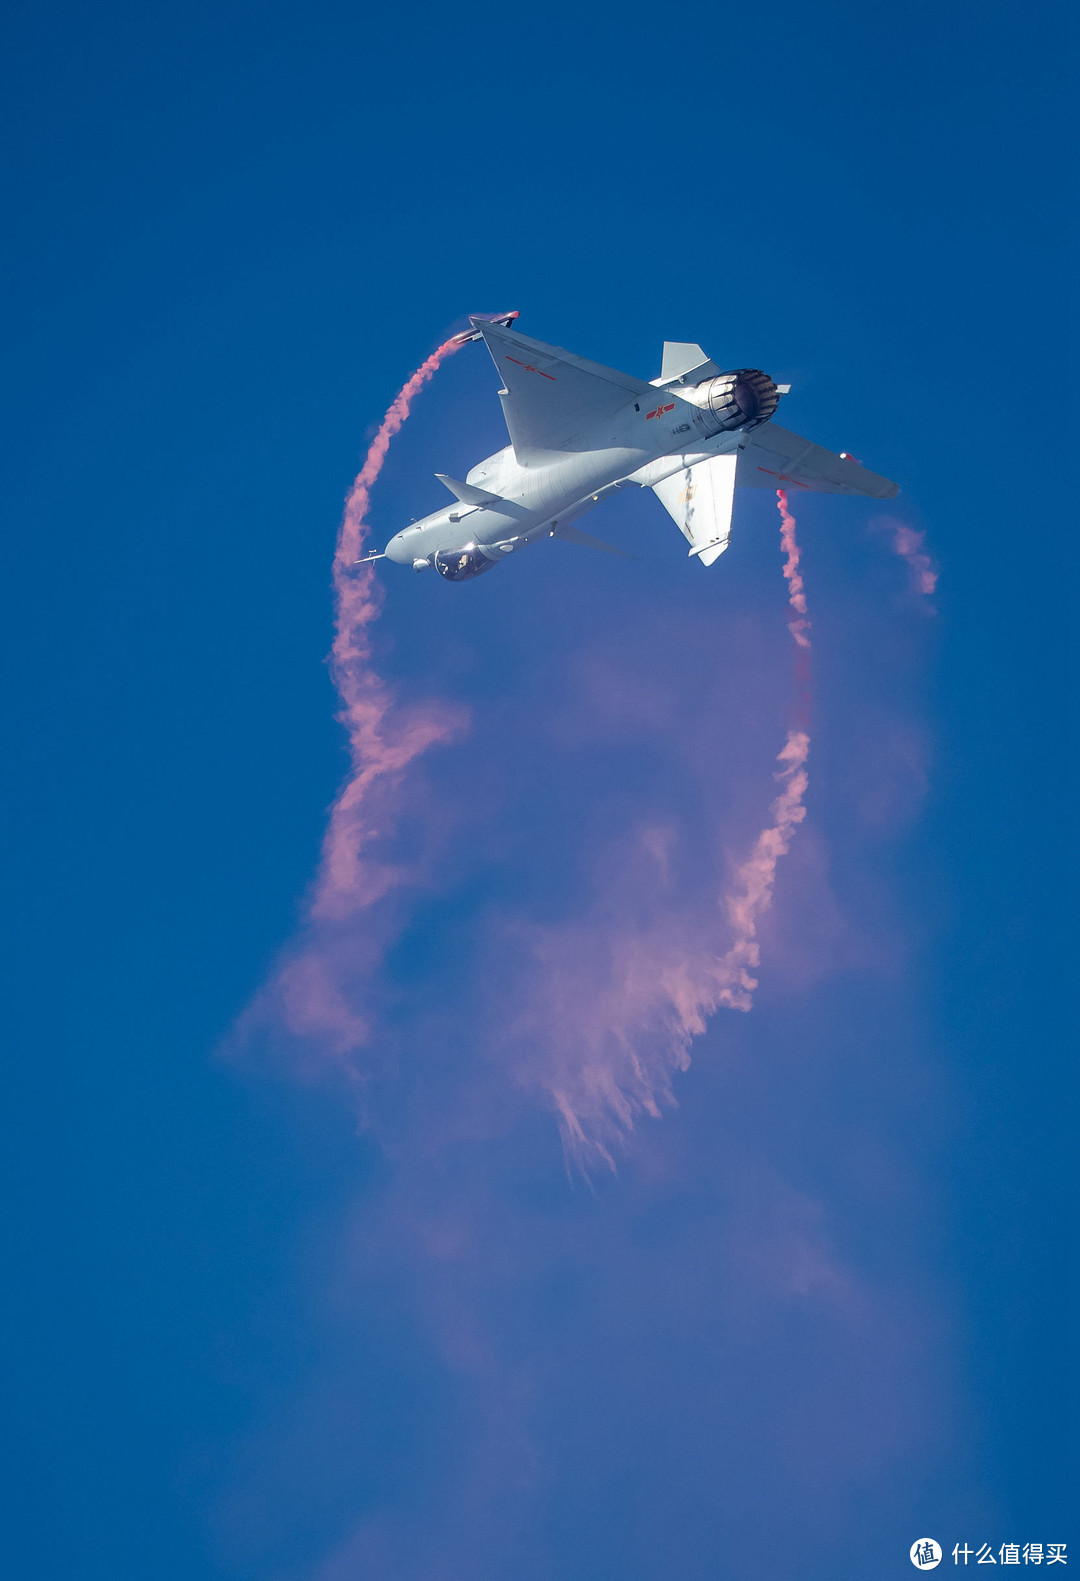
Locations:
column 530, row 369
column 783, row 477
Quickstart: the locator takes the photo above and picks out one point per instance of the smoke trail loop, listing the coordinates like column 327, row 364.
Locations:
column 611, row 1011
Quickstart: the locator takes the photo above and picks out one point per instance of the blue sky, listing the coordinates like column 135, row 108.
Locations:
column 821, row 1309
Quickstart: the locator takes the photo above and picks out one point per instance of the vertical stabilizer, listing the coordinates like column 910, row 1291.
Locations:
column 683, row 361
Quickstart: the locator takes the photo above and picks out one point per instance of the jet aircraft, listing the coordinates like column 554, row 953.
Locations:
column 579, row 432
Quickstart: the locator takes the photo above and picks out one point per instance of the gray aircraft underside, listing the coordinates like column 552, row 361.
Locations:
column 580, row 431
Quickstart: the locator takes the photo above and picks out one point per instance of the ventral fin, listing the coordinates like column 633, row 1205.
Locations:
column 466, row 492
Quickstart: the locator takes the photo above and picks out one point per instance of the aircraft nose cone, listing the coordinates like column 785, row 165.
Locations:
column 397, row 549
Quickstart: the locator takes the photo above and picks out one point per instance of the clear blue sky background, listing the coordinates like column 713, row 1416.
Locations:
column 232, row 232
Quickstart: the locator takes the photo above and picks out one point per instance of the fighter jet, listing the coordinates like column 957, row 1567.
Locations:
column 579, row 432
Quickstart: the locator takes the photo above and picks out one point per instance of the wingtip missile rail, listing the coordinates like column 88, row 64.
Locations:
column 503, row 320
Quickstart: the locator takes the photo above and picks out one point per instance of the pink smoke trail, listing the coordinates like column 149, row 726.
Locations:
column 317, row 991
column 910, row 546
column 753, row 890
column 615, row 1008
column 380, row 749
column 796, row 592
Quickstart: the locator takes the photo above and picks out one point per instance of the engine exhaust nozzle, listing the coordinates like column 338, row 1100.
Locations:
column 742, row 399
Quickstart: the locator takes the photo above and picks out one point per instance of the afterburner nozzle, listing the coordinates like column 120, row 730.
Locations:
column 741, row 399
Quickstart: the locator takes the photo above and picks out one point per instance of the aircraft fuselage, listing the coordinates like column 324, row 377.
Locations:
column 535, row 500
column 579, row 431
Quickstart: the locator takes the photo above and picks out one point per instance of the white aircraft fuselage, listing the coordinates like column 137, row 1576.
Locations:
column 580, row 431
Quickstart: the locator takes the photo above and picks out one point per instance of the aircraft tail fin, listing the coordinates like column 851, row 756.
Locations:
column 684, row 362
column 700, row 499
